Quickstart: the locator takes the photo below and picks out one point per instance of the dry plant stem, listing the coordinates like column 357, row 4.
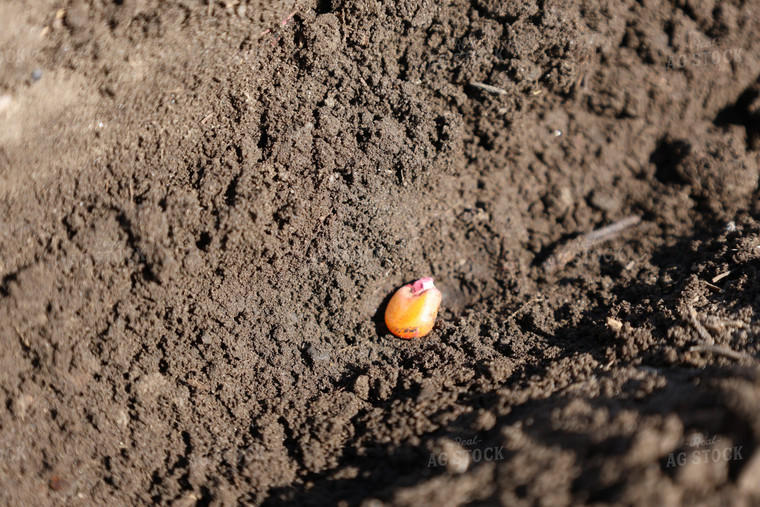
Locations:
column 612, row 230
column 570, row 250
column 721, row 276
column 708, row 343
column 488, row 88
column 699, row 328
column 532, row 300
column 718, row 324
column 722, row 351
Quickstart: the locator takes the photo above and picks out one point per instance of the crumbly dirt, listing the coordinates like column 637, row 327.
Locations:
column 204, row 206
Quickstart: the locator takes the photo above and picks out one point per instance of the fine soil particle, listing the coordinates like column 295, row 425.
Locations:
column 205, row 205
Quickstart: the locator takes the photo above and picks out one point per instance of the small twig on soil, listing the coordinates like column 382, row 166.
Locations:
column 282, row 24
column 718, row 278
column 707, row 343
column 489, row 88
column 570, row 250
column 699, row 328
column 722, row 351
column 290, row 16
column 718, row 324
column 532, row 300
column 612, row 230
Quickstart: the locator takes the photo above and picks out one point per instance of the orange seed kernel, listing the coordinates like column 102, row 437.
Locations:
column 412, row 310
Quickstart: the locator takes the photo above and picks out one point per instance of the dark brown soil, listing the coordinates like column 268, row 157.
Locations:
column 205, row 205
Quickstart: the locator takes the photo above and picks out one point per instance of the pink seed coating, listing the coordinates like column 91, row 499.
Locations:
column 422, row 285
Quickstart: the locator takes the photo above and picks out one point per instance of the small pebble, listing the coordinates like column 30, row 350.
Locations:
column 36, row 74
column 56, row 483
